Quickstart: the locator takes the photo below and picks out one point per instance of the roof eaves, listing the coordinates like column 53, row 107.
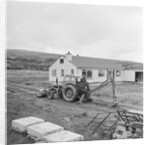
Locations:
column 116, row 68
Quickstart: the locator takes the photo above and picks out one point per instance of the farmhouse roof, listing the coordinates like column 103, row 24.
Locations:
column 97, row 63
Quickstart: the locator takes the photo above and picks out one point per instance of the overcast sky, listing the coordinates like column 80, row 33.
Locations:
column 111, row 32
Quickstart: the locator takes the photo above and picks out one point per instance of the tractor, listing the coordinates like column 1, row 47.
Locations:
column 72, row 89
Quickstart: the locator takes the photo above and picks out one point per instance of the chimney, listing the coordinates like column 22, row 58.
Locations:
column 69, row 56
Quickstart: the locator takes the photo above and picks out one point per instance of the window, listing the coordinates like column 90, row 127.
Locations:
column 54, row 73
column 61, row 60
column 101, row 73
column 89, row 74
column 67, row 79
column 62, row 72
column 72, row 71
column 78, row 79
column 73, row 79
column 118, row 73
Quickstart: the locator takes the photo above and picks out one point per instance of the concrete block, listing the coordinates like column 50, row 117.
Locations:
column 63, row 136
column 135, row 112
column 22, row 124
column 43, row 129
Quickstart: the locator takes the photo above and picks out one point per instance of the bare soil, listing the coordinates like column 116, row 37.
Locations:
column 22, row 87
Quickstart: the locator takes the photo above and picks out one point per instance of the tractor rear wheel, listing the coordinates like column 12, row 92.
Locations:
column 69, row 93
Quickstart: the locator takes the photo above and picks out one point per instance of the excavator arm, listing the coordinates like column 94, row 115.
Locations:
column 111, row 81
column 100, row 86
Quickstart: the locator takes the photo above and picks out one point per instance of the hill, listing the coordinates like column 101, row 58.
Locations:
column 30, row 60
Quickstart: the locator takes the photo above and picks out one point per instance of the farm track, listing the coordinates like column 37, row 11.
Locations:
column 12, row 86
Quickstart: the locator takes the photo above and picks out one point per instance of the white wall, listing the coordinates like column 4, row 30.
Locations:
column 128, row 75
column 95, row 77
column 79, row 72
column 67, row 66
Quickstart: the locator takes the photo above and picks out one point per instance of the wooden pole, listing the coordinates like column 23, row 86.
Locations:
column 113, row 83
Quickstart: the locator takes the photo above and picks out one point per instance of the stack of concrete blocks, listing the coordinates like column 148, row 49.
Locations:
column 22, row 124
column 44, row 131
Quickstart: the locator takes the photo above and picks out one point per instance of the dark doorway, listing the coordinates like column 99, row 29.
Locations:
column 138, row 76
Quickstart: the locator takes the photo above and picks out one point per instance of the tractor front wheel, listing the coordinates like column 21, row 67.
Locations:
column 69, row 93
column 50, row 94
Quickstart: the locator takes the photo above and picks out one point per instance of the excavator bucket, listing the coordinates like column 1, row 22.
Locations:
column 115, row 102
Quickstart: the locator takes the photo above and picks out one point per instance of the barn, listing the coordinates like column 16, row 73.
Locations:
column 133, row 73
column 95, row 69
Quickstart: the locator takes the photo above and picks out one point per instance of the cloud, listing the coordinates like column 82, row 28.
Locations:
column 92, row 30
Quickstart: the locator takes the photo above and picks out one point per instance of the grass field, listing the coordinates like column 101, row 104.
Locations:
column 22, row 87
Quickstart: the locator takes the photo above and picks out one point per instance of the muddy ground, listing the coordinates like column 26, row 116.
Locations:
column 22, row 87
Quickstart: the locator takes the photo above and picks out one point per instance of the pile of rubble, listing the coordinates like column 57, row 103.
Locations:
column 123, row 131
column 122, row 124
column 130, row 125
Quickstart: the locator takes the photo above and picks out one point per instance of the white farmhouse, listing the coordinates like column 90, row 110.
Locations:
column 95, row 69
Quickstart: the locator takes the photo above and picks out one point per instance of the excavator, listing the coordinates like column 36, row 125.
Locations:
column 72, row 89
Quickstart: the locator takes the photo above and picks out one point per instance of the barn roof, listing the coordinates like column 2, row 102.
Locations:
column 133, row 67
column 94, row 63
